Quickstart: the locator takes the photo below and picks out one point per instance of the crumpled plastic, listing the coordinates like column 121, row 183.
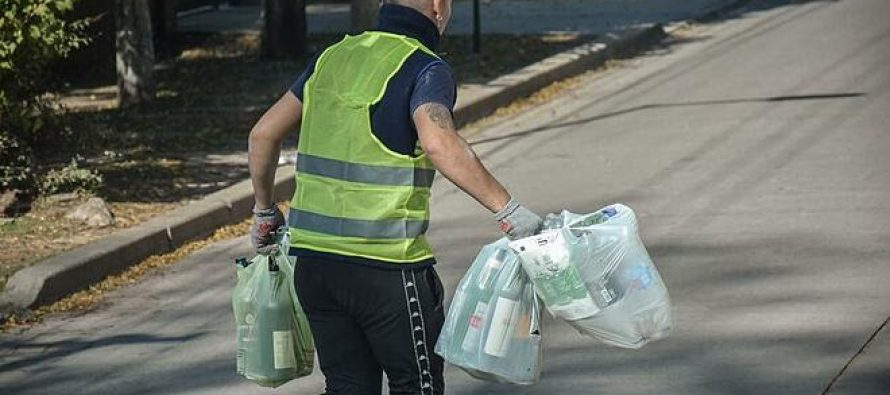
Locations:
column 593, row 272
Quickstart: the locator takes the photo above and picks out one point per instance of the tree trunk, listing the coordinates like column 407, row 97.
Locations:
column 135, row 55
column 163, row 17
column 284, row 28
column 364, row 14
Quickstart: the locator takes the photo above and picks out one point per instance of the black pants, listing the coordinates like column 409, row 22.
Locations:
column 367, row 320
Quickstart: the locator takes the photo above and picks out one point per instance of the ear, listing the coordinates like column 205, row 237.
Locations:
column 439, row 9
column 440, row 12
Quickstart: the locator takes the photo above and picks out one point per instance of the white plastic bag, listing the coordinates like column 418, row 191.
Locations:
column 492, row 327
column 632, row 302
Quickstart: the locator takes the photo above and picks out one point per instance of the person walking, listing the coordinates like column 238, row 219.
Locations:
column 374, row 113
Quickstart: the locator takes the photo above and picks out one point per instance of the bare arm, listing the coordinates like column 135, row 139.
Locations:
column 264, row 145
column 454, row 158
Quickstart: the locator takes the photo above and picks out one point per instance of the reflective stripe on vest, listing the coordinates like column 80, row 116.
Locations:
column 347, row 227
column 368, row 174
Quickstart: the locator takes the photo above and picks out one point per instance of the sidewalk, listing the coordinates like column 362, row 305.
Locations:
column 497, row 16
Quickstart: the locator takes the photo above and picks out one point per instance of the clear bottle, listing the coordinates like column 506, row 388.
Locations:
column 482, row 291
column 243, row 330
column 271, row 359
column 494, row 263
column 607, row 291
column 506, row 315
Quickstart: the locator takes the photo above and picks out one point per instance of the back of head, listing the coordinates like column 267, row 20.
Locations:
column 419, row 5
column 438, row 11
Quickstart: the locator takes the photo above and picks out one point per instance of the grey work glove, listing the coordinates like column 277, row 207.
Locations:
column 517, row 221
column 263, row 232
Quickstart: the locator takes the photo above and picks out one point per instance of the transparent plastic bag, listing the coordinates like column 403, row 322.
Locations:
column 492, row 330
column 634, row 306
column 274, row 340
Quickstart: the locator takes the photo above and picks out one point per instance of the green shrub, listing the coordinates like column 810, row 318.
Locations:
column 70, row 178
column 15, row 162
column 33, row 34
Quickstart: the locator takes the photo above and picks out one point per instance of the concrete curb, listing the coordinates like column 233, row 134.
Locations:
column 68, row 272
column 481, row 100
column 54, row 278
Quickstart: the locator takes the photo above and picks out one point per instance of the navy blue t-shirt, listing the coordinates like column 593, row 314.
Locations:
column 422, row 79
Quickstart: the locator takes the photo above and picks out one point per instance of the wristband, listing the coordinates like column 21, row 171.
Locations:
column 505, row 212
column 266, row 212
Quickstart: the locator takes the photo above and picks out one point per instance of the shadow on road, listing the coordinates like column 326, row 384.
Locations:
column 52, row 350
column 135, row 378
column 612, row 114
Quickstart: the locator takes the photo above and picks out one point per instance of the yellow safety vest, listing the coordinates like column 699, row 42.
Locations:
column 354, row 196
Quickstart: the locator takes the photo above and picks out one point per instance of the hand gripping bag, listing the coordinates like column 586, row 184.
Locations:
column 274, row 340
column 634, row 306
column 492, row 330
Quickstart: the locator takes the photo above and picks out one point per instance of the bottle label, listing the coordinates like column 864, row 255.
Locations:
column 506, row 315
column 476, row 321
column 283, row 350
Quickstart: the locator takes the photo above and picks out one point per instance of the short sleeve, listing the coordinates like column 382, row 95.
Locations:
column 435, row 84
column 297, row 87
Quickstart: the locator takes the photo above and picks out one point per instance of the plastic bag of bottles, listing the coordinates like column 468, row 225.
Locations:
column 492, row 330
column 274, row 340
column 630, row 303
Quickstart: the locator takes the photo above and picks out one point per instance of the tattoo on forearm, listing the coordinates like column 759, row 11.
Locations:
column 440, row 115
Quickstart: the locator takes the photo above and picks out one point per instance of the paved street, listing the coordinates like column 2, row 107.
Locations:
column 755, row 152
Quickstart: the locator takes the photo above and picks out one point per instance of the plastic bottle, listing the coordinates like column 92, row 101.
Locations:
column 484, row 291
column 492, row 266
column 606, row 291
column 273, row 358
column 475, row 326
column 505, row 317
column 509, row 351
column 243, row 332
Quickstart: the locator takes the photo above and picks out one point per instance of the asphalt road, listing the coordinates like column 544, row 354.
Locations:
column 755, row 151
